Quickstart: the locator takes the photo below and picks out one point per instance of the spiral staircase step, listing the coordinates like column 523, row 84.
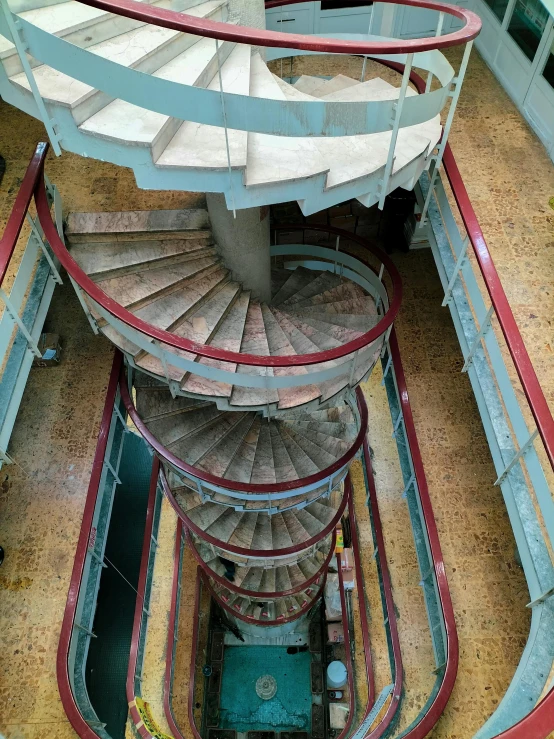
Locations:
column 137, row 225
column 168, row 311
column 339, row 82
column 138, row 290
column 307, row 83
column 285, row 470
column 323, row 281
column 272, row 159
column 263, row 469
column 299, row 278
column 106, row 259
column 200, row 146
column 217, row 460
column 125, row 122
column 228, row 336
column 206, row 439
column 268, row 583
column 146, row 48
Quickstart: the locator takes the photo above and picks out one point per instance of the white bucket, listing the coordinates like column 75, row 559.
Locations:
column 336, row 675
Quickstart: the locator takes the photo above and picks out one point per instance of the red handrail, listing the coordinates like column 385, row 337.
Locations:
column 259, row 593
column 141, row 590
column 394, row 704
column 205, row 350
column 62, row 668
column 246, row 35
column 438, row 705
column 254, row 488
column 258, row 553
column 33, row 175
column 260, row 622
column 516, row 346
column 370, row 674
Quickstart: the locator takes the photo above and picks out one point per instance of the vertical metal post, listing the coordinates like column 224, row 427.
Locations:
column 84, row 306
column 397, row 114
column 336, row 251
column 437, row 33
column 459, row 264
column 477, row 341
column 33, row 346
column 517, row 456
column 42, row 246
column 14, row 27
column 225, row 125
column 455, row 94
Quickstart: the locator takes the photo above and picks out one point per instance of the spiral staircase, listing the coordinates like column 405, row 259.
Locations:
column 250, row 403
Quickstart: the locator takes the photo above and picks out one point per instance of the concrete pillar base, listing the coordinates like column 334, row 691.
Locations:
column 243, row 243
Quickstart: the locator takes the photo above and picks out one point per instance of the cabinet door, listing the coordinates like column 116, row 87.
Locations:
column 297, row 18
column 539, row 101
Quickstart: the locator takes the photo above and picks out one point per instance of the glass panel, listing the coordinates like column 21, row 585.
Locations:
column 498, row 7
column 527, row 25
column 548, row 71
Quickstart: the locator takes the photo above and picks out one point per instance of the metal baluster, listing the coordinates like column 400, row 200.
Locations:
column 397, row 114
column 225, row 125
column 14, row 27
column 33, row 346
column 40, row 243
column 437, row 33
column 477, row 341
column 455, row 94
column 337, row 251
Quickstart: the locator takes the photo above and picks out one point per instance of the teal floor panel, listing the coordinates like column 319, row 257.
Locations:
column 240, row 706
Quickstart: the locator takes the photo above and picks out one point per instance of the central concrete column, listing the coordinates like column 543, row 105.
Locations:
column 243, row 243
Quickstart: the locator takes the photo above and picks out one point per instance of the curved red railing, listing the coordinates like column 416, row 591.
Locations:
column 33, row 175
column 205, row 350
column 260, row 553
column 259, row 593
column 139, row 604
column 62, row 668
column 254, row 36
column 254, row 488
column 438, row 705
column 394, row 704
column 370, row 675
column 516, row 346
column 262, row 622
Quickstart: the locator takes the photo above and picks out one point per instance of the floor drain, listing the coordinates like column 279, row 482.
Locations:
column 266, row 687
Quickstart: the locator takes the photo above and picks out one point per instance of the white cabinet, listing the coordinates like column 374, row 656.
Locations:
column 518, row 48
column 297, row 18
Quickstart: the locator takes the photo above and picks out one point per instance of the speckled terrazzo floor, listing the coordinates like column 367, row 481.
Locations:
column 510, row 179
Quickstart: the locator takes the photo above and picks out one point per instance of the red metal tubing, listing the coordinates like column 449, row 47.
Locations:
column 259, row 593
column 205, row 350
column 254, row 488
column 255, row 621
column 62, row 669
column 538, row 724
column 246, row 35
column 452, row 648
column 348, row 651
column 141, row 589
column 516, row 346
column 33, row 175
column 370, row 675
column 192, row 673
column 261, row 553
column 171, row 641
column 394, row 704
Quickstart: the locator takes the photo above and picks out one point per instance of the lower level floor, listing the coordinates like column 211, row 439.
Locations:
column 42, row 494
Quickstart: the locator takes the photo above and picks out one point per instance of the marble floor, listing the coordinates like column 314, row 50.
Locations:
column 510, row 180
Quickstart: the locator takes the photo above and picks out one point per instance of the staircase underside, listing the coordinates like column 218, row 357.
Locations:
column 170, row 275
column 167, row 152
